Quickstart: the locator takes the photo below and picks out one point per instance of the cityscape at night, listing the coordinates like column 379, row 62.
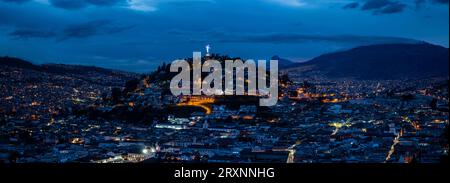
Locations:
column 85, row 81
column 53, row 113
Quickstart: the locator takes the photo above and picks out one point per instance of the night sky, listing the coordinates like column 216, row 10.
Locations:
column 138, row 35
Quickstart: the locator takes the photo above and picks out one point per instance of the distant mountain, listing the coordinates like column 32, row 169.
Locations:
column 54, row 68
column 19, row 63
column 76, row 69
column 282, row 63
column 387, row 61
column 94, row 75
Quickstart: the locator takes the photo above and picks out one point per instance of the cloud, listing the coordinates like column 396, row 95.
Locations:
column 383, row 6
column 76, row 31
column 375, row 4
column 30, row 33
column 151, row 5
column 351, row 5
column 292, row 3
column 16, row 1
column 117, row 29
column 103, row 2
column 78, row 4
column 92, row 28
column 85, row 29
column 142, row 5
column 440, row 1
column 392, row 8
column 137, row 5
column 419, row 3
column 223, row 36
column 68, row 4
column 291, row 38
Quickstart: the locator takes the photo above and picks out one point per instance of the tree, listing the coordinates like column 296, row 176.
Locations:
column 306, row 84
column 163, row 67
column 433, row 104
column 131, row 86
column 116, row 93
column 407, row 97
column 104, row 96
column 284, row 79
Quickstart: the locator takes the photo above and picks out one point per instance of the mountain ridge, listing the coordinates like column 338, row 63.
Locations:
column 384, row 61
column 54, row 68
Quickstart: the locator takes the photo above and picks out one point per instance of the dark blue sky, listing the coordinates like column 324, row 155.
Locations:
column 137, row 35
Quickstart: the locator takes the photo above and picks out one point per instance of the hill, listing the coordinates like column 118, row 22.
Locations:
column 386, row 61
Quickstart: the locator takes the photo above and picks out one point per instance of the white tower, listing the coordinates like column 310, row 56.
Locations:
column 208, row 47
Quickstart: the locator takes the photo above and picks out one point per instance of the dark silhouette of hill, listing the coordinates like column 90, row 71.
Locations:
column 55, row 68
column 282, row 62
column 386, row 61
column 19, row 63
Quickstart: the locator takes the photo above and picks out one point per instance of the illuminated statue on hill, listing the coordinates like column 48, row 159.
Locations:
column 208, row 47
